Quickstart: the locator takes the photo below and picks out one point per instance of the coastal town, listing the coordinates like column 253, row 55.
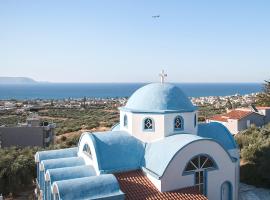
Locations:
column 25, row 106
column 134, row 100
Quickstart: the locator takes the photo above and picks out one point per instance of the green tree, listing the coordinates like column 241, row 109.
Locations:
column 263, row 99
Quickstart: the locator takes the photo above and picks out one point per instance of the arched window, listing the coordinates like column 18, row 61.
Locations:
column 178, row 123
column 199, row 165
column 195, row 120
column 125, row 121
column 148, row 124
column 87, row 150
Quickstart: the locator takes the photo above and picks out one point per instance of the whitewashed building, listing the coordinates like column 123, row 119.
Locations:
column 158, row 150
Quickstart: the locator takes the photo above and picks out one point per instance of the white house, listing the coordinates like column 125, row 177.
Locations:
column 242, row 118
column 158, row 150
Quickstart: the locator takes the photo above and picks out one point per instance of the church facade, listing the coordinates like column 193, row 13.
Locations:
column 159, row 136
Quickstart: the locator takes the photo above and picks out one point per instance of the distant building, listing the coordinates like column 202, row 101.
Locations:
column 32, row 133
column 242, row 118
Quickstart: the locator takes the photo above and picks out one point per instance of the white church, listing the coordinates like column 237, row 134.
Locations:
column 157, row 151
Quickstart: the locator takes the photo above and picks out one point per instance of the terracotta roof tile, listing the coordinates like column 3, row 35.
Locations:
column 263, row 108
column 137, row 186
column 234, row 114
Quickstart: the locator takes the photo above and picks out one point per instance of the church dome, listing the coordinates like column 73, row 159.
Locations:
column 159, row 97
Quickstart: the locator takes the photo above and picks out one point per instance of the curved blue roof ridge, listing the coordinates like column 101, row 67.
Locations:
column 117, row 151
column 116, row 127
column 62, row 162
column 218, row 132
column 70, row 173
column 159, row 154
column 67, row 173
column 158, row 97
column 53, row 154
column 96, row 187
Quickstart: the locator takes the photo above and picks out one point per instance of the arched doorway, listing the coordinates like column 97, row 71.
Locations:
column 226, row 191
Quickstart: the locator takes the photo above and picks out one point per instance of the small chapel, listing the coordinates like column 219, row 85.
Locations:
column 158, row 150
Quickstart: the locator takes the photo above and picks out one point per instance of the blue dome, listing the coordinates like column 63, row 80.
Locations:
column 159, row 97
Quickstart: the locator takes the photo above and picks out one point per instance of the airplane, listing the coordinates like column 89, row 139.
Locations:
column 155, row 16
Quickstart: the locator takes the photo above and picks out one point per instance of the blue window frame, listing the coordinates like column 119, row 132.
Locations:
column 199, row 165
column 148, row 124
column 178, row 123
column 125, row 121
column 195, row 120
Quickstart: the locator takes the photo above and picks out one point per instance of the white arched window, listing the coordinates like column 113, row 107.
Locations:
column 199, row 165
column 87, row 150
column 125, row 121
column 148, row 124
column 178, row 123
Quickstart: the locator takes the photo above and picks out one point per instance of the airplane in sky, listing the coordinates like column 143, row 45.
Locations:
column 155, row 16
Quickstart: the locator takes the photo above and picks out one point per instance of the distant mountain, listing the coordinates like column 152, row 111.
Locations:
column 16, row 80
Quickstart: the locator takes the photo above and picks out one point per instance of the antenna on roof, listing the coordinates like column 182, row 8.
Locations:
column 162, row 76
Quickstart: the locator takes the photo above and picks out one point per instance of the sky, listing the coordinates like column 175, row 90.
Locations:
column 120, row 41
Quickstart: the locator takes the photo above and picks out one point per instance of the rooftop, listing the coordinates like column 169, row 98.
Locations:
column 137, row 186
column 234, row 114
column 159, row 98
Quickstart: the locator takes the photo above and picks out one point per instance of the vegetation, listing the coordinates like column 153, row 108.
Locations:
column 264, row 98
column 17, row 169
column 208, row 111
column 254, row 144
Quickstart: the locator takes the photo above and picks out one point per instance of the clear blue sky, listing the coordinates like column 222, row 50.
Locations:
column 119, row 41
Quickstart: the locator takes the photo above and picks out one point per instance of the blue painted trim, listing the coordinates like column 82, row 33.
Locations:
column 153, row 125
column 125, row 120
column 206, row 183
column 195, row 120
column 230, row 190
column 156, row 111
column 182, row 123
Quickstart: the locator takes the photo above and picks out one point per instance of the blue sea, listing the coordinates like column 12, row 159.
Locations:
column 104, row 90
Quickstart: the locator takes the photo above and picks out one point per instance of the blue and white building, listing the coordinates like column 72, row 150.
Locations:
column 158, row 133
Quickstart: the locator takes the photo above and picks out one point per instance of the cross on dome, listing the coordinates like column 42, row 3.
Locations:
column 162, row 76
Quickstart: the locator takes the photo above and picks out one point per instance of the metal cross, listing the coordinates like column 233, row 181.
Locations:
column 162, row 76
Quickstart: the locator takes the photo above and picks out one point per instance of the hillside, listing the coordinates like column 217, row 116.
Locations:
column 16, row 80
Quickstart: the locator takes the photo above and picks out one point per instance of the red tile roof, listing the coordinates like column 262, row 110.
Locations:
column 137, row 186
column 234, row 114
column 263, row 108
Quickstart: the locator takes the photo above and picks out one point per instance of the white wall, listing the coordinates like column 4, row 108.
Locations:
column 85, row 139
column 227, row 170
column 164, row 125
column 188, row 123
column 145, row 135
column 130, row 124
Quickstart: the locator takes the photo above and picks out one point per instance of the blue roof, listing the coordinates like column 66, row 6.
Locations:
column 159, row 98
column 62, row 162
column 116, row 127
column 53, row 154
column 159, row 154
column 219, row 133
column 70, row 173
column 117, row 151
column 96, row 187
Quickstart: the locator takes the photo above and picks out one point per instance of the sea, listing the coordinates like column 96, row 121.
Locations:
column 114, row 90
